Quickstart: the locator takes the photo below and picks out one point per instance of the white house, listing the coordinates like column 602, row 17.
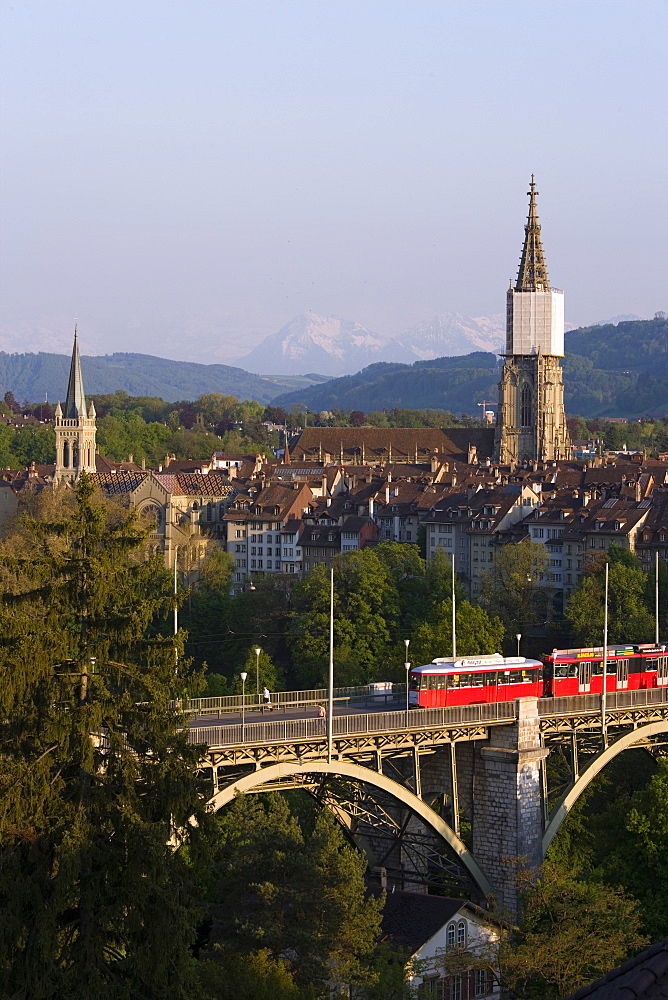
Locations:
column 428, row 928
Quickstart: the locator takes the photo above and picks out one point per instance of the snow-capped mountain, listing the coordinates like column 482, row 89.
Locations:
column 331, row 346
column 323, row 344
column 452, row 334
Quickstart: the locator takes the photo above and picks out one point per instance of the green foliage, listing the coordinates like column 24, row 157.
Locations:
column 514, row 589
column 298, row 894
column 477, row 632
column 574, row 930
column 637, row 851
column 94, row 764
column 629, row 619
column 366, row 612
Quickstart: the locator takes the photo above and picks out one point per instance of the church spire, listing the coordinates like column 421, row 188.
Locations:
column 532, row 275
column 75, row 403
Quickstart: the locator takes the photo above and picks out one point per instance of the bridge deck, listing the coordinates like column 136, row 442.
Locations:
column 280, row 728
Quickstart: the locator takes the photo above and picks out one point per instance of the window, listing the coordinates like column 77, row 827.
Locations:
column 259, row 564
column 480, row 982
column 525, row 406
column 252, row 564
column 461, row 933
column 433, row 989
column 268, row 563
column 456, row 987
column 451, row 932
column 239, row 548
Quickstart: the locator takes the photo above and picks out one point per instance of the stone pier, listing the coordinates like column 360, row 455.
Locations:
column 508, row 812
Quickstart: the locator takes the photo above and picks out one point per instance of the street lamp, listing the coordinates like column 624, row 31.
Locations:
column 407, row 667
column 243, row 676
column 257, row 670
column 518, row 637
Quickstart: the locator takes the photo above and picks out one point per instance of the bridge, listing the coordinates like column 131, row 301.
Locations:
column 448, row 797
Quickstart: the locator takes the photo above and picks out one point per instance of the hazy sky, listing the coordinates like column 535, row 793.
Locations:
column 188, row 176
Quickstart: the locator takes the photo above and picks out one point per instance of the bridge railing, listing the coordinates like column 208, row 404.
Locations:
column 297, row 730
column 363, row 695
column 578, row 704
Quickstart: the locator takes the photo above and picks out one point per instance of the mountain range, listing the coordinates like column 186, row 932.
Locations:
column 609, row 370
column 333, row 346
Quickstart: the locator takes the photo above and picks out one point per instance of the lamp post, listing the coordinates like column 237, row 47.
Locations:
column 257, row 670
column 518, row 636
column 243, row 676
column 604, row 686
column 330, row 679
column 407, row 667
column 454, row 612
column 656, row 598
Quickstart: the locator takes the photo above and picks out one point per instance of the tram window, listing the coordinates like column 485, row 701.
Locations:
column 597, row 667
column 415, row 682
column 565, row 670
column 440, row 680
column 636, row 665
column 474, row 680
column 651, row 664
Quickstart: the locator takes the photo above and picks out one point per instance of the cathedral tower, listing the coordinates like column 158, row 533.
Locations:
column 75, row 427
column 530, row 420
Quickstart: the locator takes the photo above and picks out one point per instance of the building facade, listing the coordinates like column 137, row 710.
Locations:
column 531, row 422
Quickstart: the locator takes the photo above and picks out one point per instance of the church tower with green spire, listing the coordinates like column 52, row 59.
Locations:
column 530, row 420
column 75, row 427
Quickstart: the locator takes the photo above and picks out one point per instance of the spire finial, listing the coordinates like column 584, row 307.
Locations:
column 532, row 275
column 75, row 402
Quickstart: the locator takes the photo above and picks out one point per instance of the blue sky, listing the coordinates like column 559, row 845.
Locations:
column 192, row 175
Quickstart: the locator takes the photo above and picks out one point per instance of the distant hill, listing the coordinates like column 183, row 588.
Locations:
column 31, row 376
column 608, row 371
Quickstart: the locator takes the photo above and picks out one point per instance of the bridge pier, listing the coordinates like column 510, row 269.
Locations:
column 508, row 813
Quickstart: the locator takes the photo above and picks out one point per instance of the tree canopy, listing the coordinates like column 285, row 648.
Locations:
column 95, row 768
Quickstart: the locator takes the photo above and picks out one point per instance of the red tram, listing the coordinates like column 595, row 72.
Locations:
column 471, row 680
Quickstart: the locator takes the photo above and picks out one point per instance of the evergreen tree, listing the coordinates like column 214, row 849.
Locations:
column 95, row 768
column 298, row 894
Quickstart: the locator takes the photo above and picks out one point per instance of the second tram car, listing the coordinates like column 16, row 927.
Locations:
column 471, row 680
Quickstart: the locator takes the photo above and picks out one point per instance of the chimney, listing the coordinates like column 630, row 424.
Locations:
column 371, row 507
column 143, row 464
column 387, row 494
column 131, row 457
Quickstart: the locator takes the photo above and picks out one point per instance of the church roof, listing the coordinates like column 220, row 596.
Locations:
column 532, row 275
column 75, row 403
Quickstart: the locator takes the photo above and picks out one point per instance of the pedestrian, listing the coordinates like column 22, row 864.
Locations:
column 266, row 699
column 321, row 711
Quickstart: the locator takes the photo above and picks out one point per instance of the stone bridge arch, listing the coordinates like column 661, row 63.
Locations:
column 570, row 797
column 345, row 769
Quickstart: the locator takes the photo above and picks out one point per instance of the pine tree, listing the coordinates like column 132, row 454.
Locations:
column 95, row 768
column 297, row 892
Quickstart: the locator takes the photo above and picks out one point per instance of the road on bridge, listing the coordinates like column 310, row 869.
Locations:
column 255, row 713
